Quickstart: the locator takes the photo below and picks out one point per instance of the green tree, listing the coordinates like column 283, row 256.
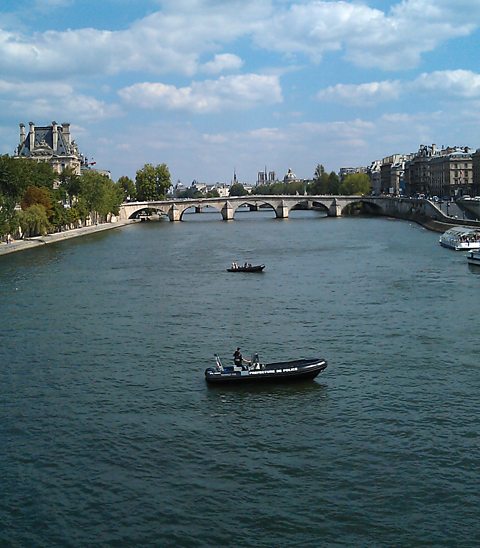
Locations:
column 261, row 190
column 190, row 193
column 152, row 182
column 237, row 189
column 16, row 174
column 355, row 183
column 296, row 187
column 127, row 186
column 70, row 183
column 333, row 184
column 59, row 216
column 34, row 221
column 319, row 171
column 11, row 183
column 8, row 222
column 319, row 185
column 99, row 196
column 213, row 193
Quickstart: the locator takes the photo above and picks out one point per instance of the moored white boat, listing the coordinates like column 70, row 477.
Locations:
column 461, row 237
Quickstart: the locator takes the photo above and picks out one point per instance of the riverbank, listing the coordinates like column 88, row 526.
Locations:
column 29, row 243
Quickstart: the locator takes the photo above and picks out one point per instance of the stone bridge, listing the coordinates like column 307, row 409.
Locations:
column 334, row 206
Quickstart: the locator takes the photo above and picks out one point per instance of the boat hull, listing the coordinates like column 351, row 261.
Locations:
column 473, row 258
column 274, row 372
column 255, row 268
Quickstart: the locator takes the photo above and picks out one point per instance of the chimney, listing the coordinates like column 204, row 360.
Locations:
column 32, row 135
column 66, row 132
column 54, row 136
column 22, row 133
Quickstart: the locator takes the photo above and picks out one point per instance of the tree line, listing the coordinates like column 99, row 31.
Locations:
column 321, row 184
column 34, row 200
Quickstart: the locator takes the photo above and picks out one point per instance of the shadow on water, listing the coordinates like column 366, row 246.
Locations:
column 474, row 269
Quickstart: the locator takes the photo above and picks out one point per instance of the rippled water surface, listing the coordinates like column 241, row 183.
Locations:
column 110, row 436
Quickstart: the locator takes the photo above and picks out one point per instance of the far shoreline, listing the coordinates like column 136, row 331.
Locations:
column 38, row 241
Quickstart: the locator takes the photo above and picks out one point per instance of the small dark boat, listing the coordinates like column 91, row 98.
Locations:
column 473, row 257
column 302, row 369
column 246, row 268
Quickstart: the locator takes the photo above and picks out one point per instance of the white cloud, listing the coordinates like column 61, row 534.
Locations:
column 361, row 94
column 448, row 84
column 451, row 83
column 173, row 39
column 222, row 62
column 52, row 100
column 228, row 92
column 368, row 37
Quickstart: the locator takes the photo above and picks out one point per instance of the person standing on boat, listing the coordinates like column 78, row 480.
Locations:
column 237, row 357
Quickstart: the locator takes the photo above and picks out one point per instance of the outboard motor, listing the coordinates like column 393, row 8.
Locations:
column 218, row 363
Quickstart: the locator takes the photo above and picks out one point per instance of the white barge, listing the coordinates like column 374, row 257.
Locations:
column 461, row 237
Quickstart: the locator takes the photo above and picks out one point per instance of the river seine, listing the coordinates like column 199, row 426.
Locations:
column 110, row 436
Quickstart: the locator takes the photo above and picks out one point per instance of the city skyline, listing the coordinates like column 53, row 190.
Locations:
column 211, row 87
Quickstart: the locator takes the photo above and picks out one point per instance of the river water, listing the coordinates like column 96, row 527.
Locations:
column 110, row 436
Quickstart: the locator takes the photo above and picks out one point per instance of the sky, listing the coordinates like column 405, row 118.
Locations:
column 213, row 87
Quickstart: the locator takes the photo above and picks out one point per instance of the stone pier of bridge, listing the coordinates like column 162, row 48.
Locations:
column 174, row 213
column 227, row 211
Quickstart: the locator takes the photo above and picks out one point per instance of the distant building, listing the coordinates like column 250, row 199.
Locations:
column 52, row 144
column 199, row 187
column 344, row 171
column 476, row 172
column 392, row 172
column 290, row 177
column 222, row 189
column 417, row 171
column 264, row 178
column 446, row 172
column 451, row 173
column 374, row 172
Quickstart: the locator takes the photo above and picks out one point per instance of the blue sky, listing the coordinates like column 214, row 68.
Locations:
column 213, row 86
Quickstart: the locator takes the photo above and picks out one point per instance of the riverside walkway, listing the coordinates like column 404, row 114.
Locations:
column 38, row 241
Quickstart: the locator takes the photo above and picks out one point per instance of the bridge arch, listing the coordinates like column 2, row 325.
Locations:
column 361, row 206
column 197, row 208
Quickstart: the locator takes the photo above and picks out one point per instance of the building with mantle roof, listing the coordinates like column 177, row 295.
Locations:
column 52, row 144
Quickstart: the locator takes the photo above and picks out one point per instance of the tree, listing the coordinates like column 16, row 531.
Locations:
column 319, row 185
column 237, row 189
column 127, row 186
column 152, row 182
column 34, row 221
column 333, row 184
column 319, row 171
column 190, row 192
column 11, row 183
column 7, row 215
column 70, row 183
column 356, row 183
column 213, row 193
column 99, row 196
column 16, row 174
column 36, row 195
